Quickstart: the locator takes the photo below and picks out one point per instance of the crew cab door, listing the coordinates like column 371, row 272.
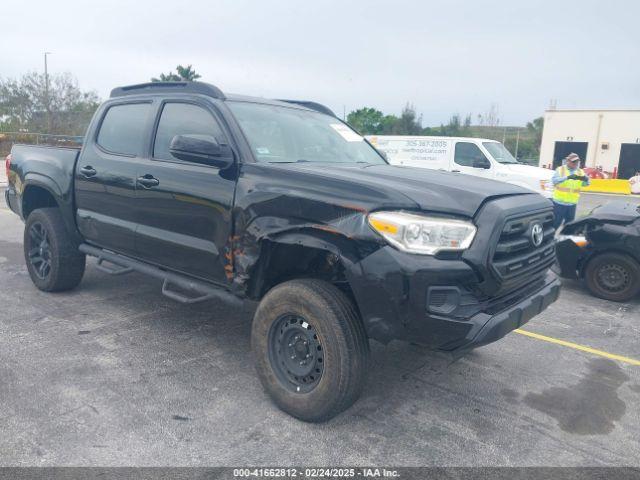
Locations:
column 469, row 159
column 105, row 176
column 183, row 209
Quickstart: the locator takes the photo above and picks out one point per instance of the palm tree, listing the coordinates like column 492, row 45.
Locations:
column 185, row 74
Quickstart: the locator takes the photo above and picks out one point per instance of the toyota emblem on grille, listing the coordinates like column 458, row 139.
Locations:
column 537, row 235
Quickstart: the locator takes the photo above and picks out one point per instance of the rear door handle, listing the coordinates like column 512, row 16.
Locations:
column 148, row 181
column 88, row 171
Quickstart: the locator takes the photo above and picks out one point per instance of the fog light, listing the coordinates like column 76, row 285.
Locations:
column 443, row 300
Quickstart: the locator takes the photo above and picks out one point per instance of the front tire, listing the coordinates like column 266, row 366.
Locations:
column 52, row 257
column 613, row 276
column 310, row 348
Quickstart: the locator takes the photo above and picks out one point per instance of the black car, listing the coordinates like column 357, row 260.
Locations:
column 603, row 249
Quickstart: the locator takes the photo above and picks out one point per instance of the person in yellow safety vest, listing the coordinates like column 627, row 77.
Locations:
column 568, row 180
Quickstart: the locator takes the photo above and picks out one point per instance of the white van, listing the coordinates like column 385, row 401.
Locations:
column 472, row 156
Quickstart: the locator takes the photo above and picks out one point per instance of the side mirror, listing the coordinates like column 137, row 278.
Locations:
column 201, row 149
column 481, row 163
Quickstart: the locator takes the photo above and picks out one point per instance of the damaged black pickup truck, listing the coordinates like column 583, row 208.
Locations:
column 237, row 198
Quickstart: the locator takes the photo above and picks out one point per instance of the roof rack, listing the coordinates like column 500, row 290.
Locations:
column 169, row 87
column 318, row 107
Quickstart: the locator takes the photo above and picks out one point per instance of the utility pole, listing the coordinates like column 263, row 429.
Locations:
column 517, row 142
column 46, row 92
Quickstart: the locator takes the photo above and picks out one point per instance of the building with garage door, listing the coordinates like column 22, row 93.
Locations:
column 608, row 140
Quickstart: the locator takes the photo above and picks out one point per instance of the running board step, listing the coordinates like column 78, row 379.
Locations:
column 202, row 290
column 112, row 271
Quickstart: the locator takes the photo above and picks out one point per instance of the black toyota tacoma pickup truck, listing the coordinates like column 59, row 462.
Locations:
column 236, row 198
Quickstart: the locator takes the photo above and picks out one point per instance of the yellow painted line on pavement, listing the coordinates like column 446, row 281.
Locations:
column 582, row 348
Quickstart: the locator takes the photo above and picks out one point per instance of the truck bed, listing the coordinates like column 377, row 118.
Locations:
column 42, row 163
column 42, row 167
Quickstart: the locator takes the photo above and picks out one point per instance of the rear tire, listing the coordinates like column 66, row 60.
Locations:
column 310, row 349
column 613, row 276
column 52, row 257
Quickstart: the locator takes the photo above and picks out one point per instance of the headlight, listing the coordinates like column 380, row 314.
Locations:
column 579, row 240
column 424, row 235
column 546, row 185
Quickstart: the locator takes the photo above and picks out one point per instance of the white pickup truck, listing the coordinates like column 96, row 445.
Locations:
column 473, row 156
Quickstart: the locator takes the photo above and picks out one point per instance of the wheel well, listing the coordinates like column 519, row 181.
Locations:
column 282, row 262
column 35, row 197
column 598, row 253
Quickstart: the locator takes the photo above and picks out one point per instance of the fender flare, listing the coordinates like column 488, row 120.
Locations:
column 64, row 202
column 318, row 238
column 42, row 181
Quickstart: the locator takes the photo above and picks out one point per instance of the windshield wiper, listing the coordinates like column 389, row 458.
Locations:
column 302, row 160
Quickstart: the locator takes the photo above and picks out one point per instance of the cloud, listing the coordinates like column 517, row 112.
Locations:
column 444, row 57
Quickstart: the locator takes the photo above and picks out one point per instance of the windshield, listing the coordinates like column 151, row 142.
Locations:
column 499, row 152
column 281, row 134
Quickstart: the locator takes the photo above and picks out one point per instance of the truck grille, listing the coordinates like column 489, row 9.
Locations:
column 516, row 257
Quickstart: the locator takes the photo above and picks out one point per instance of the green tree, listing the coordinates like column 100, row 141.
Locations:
column 455, row 127
column 167, row 77
column 187, row 73
column 55, row 104
column 388, row 124
column 535, row 127
column 366, row 120
column 370, row 121
column 409, row 122
column 530, row 147
column 466, row 127
column 182, row 74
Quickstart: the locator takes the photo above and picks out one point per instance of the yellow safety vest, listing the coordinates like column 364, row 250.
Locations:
column 569, row 190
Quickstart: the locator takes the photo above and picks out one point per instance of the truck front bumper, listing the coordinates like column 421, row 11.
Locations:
column 490, row 328
column 436, row 302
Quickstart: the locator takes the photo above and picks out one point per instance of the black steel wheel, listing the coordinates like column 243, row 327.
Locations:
column 310, row 348
column 39, row 250
column 296, row 353
column 613, row 276
column 52, row 257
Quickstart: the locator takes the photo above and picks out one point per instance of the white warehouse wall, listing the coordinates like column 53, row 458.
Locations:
column 616, row 127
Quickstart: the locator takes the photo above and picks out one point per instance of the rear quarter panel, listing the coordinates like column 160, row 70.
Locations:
column 50, row 168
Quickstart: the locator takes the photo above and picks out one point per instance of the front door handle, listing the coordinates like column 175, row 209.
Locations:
column 88, row 171
column 148, row 181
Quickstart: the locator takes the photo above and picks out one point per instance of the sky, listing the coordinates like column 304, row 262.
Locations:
column 442, row 57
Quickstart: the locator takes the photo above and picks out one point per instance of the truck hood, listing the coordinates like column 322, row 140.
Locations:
column 381, row 186
column 529, row 171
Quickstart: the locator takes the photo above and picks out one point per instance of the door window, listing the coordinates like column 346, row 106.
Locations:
column 183, row 119
column 468, row 153
column 123, row 128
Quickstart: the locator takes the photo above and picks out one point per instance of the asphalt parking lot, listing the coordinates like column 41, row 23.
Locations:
column 114, row 373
